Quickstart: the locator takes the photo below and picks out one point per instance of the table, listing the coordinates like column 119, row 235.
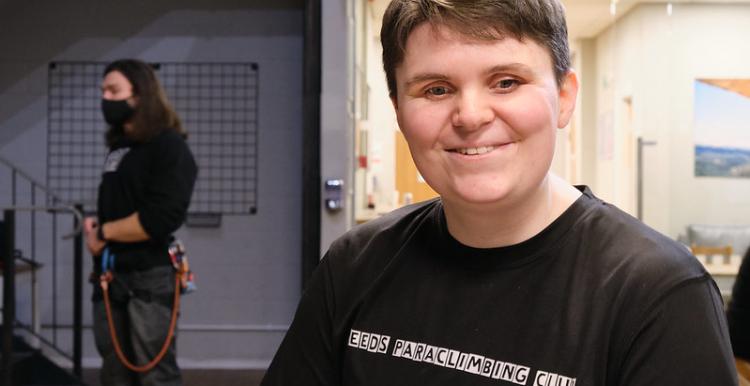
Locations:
column 723, row 272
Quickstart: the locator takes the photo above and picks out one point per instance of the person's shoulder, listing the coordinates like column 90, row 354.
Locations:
column 362, row 255
column 166, row 137
column 376, row 236
column 624, row 246
column 169, row 143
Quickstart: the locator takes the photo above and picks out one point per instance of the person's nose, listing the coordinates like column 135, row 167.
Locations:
column 473, row 110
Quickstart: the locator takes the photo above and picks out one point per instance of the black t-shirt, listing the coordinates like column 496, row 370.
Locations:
column 597, row 298
column 155, row 179
column 739, row 311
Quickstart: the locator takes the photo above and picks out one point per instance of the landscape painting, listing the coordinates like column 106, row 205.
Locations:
column 722, row 128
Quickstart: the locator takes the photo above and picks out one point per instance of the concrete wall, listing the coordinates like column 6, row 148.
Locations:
column 248, row 270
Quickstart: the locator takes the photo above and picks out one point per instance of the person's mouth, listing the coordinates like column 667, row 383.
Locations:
column 474, row 150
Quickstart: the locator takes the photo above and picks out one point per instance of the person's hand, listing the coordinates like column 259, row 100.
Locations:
column 93, row 243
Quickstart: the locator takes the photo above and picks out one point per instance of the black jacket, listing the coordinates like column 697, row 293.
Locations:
column 155, row 179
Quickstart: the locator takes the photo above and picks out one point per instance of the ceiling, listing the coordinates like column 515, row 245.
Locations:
column 586, row 18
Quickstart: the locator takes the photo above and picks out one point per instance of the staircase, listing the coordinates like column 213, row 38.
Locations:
column 31, row 367
column 32, row 250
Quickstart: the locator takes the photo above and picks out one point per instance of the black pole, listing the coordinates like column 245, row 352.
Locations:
column 639, row 175
column 77, row 294
column 9, row 294
column 311, row 183
column 639, row 179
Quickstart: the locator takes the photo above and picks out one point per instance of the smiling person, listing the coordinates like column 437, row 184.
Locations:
column 512, row 276
column 147, row 181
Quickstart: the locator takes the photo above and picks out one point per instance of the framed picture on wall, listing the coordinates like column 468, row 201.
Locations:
column 722, row 128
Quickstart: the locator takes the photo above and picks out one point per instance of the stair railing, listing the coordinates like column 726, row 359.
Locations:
column 25, row 203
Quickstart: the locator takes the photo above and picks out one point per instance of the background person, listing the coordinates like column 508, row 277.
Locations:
column 147, row 182
column 738, row 314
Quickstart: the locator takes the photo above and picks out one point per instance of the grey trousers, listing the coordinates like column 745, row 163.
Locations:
column 141, row 304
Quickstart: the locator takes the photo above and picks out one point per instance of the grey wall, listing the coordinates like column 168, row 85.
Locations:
column 336, row 119
column 248, row 270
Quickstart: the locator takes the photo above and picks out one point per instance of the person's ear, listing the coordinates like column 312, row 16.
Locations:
column 567, row 94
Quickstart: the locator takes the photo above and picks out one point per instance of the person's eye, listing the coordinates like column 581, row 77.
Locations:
column 437, row 91
column 507, row 84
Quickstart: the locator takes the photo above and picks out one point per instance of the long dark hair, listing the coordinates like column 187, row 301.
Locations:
column 153, row 113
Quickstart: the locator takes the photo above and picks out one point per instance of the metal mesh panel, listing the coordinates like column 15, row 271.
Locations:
column 217, row 102
column 75, row 130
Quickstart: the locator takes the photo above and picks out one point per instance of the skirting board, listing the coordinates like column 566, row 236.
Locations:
column 186, row 363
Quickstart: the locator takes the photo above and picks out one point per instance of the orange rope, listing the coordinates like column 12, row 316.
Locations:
column 104, row 282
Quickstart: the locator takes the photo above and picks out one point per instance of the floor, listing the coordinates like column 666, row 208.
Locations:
column 199, row 377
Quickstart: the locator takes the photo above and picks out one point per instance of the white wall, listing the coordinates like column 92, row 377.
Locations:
column 382, row 121
column 654, row 58
column 586, row 111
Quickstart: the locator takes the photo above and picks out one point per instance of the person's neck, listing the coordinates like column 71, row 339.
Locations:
column 511, row 222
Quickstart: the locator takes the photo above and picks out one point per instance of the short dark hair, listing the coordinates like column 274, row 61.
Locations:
column 153, row 113
column 542, row 21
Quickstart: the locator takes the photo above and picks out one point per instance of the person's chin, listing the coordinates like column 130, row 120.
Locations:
column 480, row 196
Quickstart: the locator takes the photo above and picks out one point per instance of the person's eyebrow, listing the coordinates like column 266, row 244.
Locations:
column 510, row 67
column 521, row 68
column 419, row 78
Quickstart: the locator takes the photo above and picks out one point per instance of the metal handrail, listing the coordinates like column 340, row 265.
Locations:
column 9, row 316
column 58, row 206
column 61, row 208
column 31, row 179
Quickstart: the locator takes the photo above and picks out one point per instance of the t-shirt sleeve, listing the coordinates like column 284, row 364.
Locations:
column 739, row 311
column 306, row 355
column 169, row 188
column 681, row 341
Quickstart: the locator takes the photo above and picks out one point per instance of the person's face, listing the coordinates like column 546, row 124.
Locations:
column 480, row 117
column 116, row 87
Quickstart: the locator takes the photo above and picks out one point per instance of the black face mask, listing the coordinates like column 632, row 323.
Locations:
column 116, row 113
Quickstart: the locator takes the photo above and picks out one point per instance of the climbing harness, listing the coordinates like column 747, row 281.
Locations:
column 183, row 284
column 180, row 264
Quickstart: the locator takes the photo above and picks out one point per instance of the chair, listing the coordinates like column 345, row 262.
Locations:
column 710, row 251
